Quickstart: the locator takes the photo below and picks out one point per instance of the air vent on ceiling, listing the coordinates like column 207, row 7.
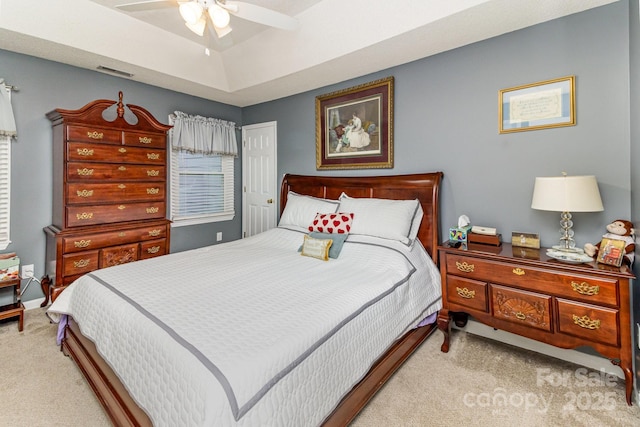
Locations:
column 114, row 71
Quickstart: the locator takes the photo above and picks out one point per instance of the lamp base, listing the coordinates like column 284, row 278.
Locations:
column 573, row 250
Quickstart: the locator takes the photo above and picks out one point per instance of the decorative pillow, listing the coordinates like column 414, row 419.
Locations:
column 332, row 223
column 336, row 246
column 385, row 218
column 316, row 248
column 300, row 210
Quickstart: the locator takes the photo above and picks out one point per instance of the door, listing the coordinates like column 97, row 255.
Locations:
column 259, row 178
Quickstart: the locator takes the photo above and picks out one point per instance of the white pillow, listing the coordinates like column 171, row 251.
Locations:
column 385, row 218
column 301, row 210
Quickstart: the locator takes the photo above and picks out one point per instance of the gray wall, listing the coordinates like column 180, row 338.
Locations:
column 46, row 85
column 446, row 118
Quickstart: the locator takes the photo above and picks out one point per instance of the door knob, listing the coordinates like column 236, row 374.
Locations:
column 270, row 201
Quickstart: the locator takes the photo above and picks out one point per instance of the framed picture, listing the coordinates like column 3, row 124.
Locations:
column 541, row 105
column 354, row 127
column 525, row 240
column 611, row 251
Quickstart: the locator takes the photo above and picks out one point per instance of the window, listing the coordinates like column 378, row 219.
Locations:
column 203, row 151
column 201, row 188
column 7, row 131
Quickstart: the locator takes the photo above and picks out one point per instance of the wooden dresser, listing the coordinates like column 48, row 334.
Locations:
column 525, row 292
column 109, row 191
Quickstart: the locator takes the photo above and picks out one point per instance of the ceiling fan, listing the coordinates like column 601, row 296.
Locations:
column 215, row 14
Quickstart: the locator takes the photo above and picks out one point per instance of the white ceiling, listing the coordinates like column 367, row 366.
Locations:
column 336, row 40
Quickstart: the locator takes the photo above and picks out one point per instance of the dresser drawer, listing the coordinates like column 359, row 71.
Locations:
column 587, row 321
column 80, row 171
column 111, row 238
column 115, row 192
column 85, row 152
column 521, row 307
column 153, row 248
column 603, row 290
column 467, row 292
column 142, row 139
column 118, row 255
column 79, row 263
column 105, row 214
column 94, row 134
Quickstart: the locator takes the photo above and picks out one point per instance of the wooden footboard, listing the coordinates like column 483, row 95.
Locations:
column 123, row 410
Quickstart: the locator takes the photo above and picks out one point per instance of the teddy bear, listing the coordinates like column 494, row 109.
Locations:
column 619, row 229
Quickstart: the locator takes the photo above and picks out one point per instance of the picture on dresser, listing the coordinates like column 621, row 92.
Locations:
column 611, row 251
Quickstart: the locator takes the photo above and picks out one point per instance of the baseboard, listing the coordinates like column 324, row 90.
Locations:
column 32, row 303
column 588, row 360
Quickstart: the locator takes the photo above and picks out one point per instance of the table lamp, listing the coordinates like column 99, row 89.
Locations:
column 567, row 194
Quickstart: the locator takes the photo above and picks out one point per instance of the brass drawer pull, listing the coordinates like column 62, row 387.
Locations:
column 155, row 233
column 585, row 289
column 84, row 152
column 81, row 263
column 152, row 210
column 145, row 140
column 85, row 193
column 586, row 323
column 122, row 207
column 95, row 135
column 122, row 234
column 85, row 172
column 518, row 271
column 153, row 249
column 464, row 267
column 153, row 156
column 466, row 293
column 122, row 168
column 122, row 186
column 152, row 172
column 153, row 190
column 84, row 215
column 520, row 315
column 82, row 243
column 122, row 150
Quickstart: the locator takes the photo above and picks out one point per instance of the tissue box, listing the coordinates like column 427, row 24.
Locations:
column 9, row 268
column 459, row 234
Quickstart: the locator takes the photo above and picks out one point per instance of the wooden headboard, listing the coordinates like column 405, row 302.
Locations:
column 424, row 187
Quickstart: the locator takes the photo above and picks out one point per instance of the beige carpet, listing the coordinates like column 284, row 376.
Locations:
column 478, row 383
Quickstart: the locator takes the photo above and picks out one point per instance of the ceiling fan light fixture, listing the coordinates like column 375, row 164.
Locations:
column 219, row 16
column 198, row 27
column 191, row 12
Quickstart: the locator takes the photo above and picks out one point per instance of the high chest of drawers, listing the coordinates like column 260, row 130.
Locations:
column 109, row 191
column 523, row 291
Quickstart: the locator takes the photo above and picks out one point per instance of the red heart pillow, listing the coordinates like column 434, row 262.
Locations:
column 338, row 223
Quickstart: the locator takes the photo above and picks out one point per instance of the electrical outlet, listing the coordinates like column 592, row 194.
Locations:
column 27, row 271
column 219, row 236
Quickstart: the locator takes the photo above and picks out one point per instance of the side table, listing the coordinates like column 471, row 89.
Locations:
column 15, row 309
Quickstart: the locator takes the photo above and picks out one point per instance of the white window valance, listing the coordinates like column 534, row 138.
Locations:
column 197, row 134
column 7, row 121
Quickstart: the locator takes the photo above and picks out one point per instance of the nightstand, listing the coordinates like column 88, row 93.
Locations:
column 523, row 291
column 15, row 309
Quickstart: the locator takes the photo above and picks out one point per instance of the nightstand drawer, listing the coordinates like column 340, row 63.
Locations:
column 604, row 291
column 521, row 307
column 467, row 292
column 589, row 322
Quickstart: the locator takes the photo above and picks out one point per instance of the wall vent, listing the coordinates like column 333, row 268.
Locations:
column 114, row 71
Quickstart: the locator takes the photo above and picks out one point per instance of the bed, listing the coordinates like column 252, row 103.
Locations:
column 338, row 340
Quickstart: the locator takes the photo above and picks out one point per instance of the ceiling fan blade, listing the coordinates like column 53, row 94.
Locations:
column 146, row 5
column 260, row 14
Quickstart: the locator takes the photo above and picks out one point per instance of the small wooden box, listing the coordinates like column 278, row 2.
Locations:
column 485, row 239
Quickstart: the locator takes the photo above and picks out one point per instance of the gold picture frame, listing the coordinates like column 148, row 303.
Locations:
column 611, row 251
column 541, row 105
column 354, row 127
column 525, row 240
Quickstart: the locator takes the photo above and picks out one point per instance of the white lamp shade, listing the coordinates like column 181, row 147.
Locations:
column 219, row 16
column 190, row 12
column 567, row 194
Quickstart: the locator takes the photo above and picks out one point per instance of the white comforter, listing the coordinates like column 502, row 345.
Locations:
column 250, row 332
